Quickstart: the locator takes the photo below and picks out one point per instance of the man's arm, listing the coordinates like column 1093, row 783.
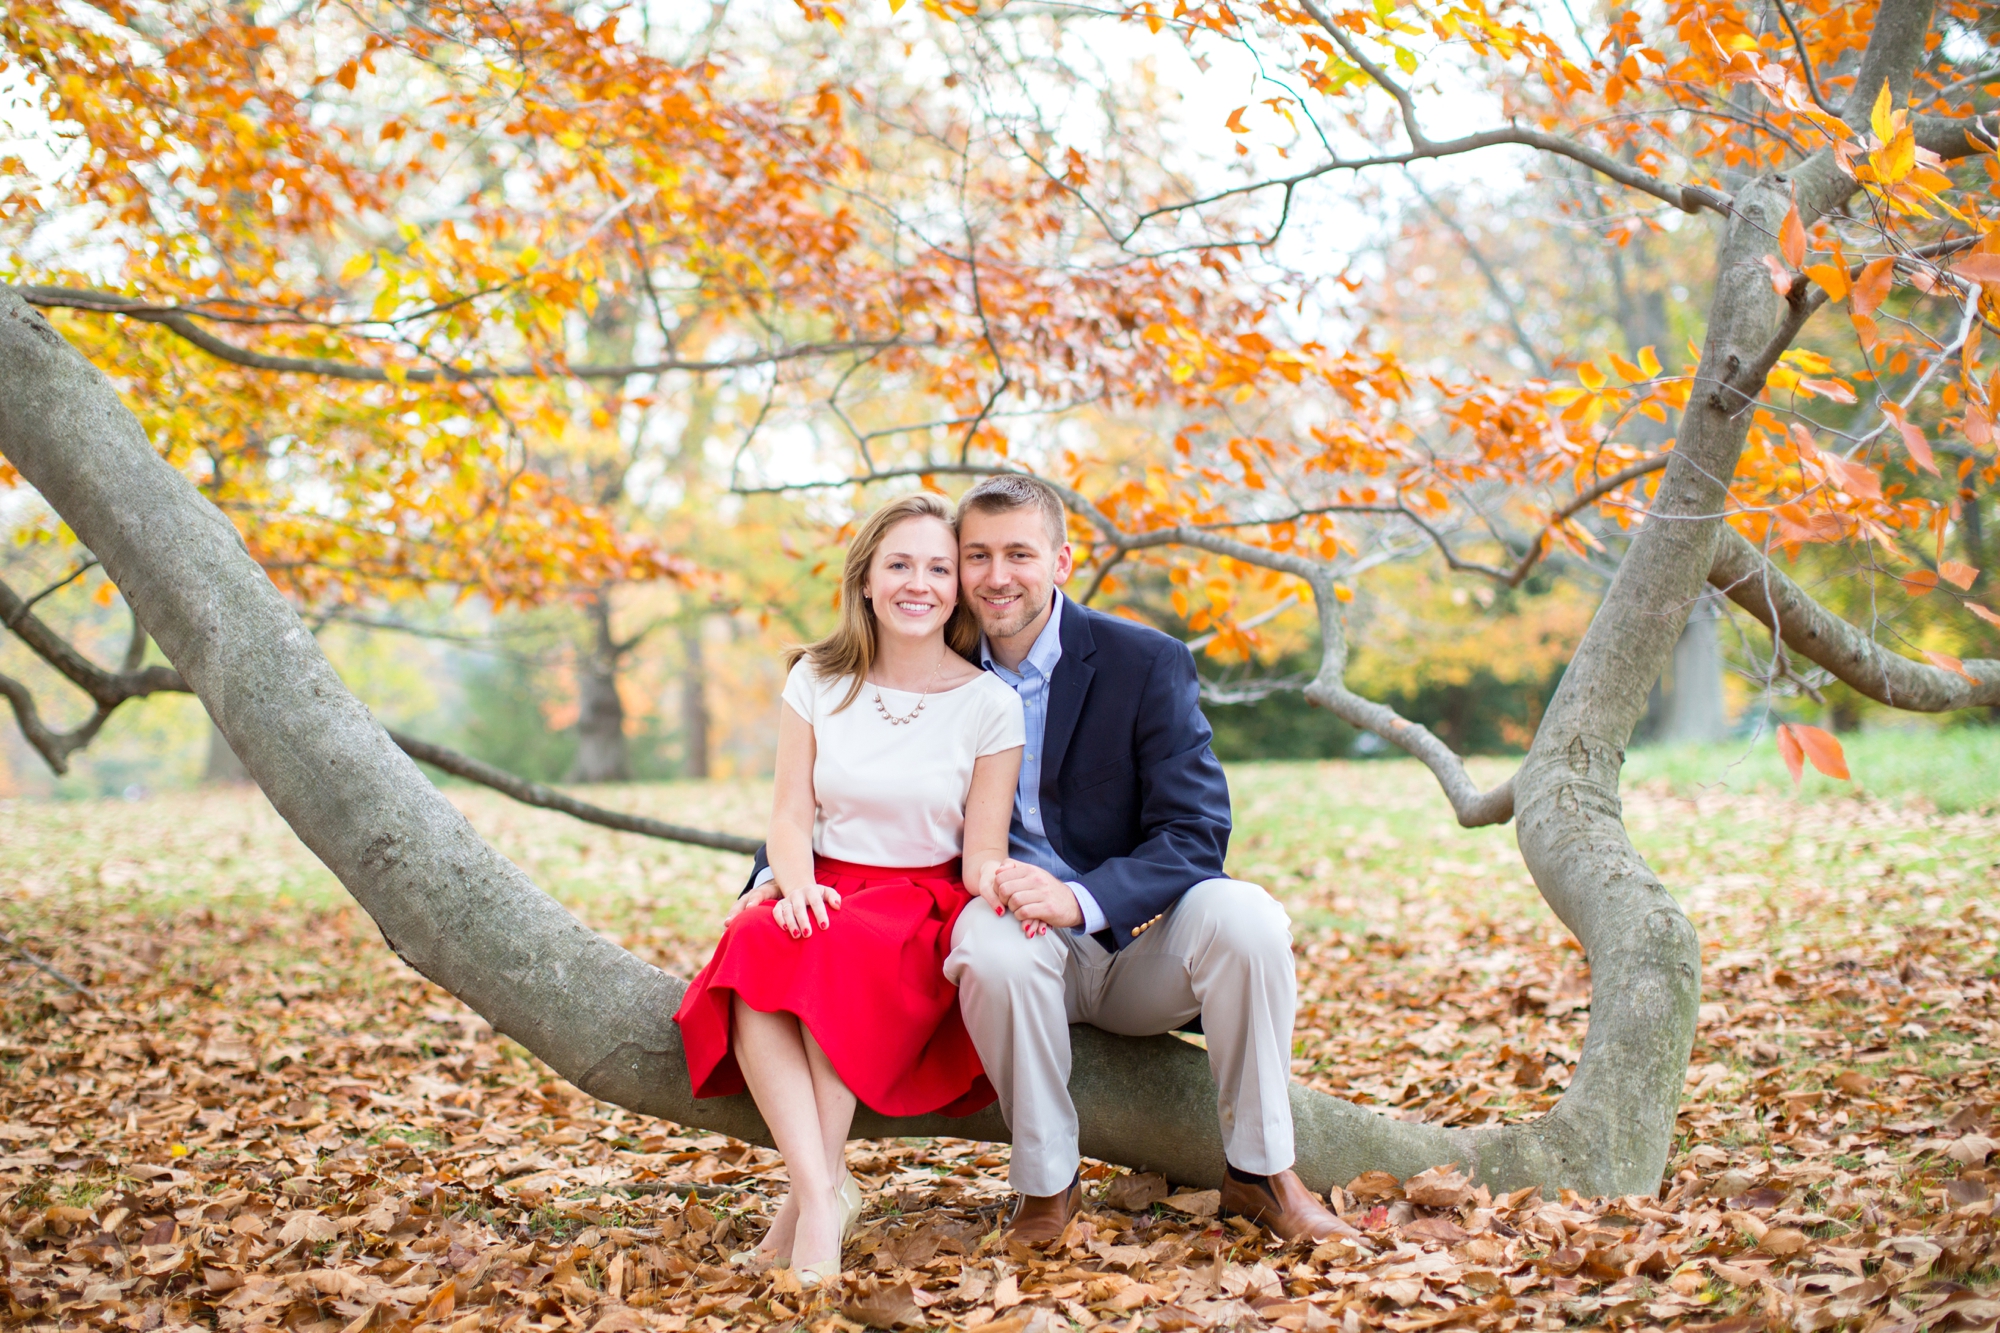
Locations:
column 1183, row 803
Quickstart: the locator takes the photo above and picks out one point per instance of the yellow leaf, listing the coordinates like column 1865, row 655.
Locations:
column 1879, row 119
column 356, row 266
column 1593, row 378
column 396, row 373
column 1895, row 159
column 895, row 6
column 1649, row 361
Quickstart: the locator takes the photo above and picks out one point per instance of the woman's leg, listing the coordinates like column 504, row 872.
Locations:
column 835, row 1103
column 771, row 1051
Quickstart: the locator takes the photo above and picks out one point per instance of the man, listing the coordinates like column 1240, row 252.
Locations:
column 1112, row 908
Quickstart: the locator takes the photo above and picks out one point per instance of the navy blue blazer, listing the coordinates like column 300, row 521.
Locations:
column 1139, row 803
column 1133, row 797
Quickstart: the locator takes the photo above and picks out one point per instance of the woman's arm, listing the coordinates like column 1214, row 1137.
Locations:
column 789, row 844
column 989, row 812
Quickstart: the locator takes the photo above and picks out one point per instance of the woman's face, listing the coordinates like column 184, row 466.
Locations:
column 912, row 581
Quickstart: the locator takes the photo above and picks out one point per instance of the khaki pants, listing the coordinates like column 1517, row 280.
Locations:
column 1224, row 952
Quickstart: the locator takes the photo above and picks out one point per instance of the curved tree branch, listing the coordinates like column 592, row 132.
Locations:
column 548, row 798
column 183, row 323
column 1687, row 198
column 1750, row 580
column 109, row 690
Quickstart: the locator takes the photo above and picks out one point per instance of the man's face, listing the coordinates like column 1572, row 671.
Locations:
column 1009, row 567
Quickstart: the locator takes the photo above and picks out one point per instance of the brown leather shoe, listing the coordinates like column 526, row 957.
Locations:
column 1284, row 1207
column 1041, row 1218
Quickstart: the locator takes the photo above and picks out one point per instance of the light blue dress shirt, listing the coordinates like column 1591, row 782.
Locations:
column 1027, row 838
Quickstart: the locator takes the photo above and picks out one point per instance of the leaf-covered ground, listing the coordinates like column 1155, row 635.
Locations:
column 259, row 1119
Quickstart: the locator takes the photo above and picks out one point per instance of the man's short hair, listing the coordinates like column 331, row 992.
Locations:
column 1007, row 491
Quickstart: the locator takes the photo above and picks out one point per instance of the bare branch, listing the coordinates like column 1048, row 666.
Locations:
column 43, row 964
column 182, row 323
column 1512, row 578
column 1687, row 198
column 1805, row 61
column 1328, row 689
column 1951, row 137
column 1750, row 580
column 107, row 689
column 1486, row 270
column 110, row 690
column 547, row 798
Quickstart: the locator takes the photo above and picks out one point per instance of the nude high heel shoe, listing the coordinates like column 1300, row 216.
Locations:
column 847, row 1204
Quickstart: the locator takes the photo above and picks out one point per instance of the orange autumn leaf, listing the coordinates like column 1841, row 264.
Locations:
column 1832, row 277
column 1792, row 237
column 1946, row 662
column 1982, row 269
column 1797, row 742
column 1872, row 286
column 1956, row 572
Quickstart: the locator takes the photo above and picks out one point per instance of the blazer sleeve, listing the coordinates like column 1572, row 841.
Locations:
column 758, row 865
column 1183, row 805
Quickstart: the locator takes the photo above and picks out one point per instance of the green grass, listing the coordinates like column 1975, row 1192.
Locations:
column 1954, row 768
column 1364, row 846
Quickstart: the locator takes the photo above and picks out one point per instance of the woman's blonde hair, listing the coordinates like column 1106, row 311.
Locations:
column 851, row 649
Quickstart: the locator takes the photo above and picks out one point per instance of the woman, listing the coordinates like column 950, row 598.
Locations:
column 897, row 761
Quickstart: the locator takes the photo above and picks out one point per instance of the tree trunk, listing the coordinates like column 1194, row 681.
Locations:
column 472, row 922
column 694, row 701
column 602, row 753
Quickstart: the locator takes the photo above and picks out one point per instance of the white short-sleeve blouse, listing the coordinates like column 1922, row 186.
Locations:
column 894, row 796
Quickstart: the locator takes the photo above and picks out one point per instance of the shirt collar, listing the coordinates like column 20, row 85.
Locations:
column 1048, row 644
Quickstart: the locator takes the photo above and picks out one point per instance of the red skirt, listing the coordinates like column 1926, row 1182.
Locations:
column 870, row 988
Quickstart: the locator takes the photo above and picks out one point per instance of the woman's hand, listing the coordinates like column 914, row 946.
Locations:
column 798, row 909
column 763, row 893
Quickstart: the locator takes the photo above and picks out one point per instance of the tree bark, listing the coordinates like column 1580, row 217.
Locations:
column 602, row 752
column 468, row 919
column 1824, row 639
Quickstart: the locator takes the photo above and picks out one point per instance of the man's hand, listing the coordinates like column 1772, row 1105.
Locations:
column 763, row 893
column 1036, row 898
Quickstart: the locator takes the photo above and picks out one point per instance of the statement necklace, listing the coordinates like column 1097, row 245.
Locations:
column 914, row 713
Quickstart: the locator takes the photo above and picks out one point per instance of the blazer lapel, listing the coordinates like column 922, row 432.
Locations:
column 1066, row 692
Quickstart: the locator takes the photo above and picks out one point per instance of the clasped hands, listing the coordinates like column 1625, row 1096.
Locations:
column 1036, row 898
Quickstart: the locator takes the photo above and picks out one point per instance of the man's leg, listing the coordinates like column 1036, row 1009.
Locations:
column 1011, row 993
column 1224, row 951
